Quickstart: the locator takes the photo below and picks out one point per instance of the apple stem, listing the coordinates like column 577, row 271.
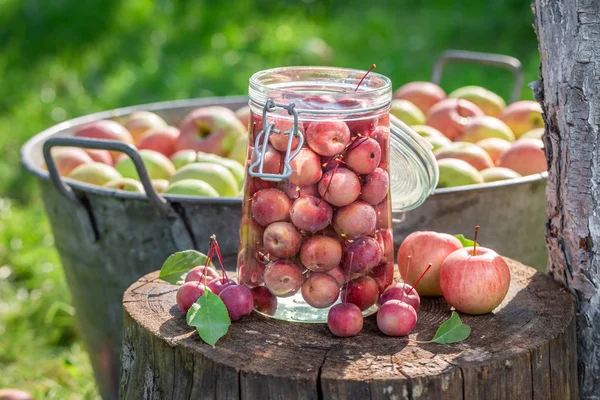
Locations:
column 211, row 250
column 475, row 240
column 419, row 280
column 329, row 183
column 348, row 278
column 406, row 270
column 364, row 76
column 213, row 240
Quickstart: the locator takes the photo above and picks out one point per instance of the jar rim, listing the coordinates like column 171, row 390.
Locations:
column 293, row 83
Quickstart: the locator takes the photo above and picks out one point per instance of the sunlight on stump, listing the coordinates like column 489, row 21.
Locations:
column 524, row 350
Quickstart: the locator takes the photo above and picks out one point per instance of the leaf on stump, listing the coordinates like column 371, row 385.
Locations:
column 210, row 318
column 452, row 331
column 464, row 241
column 176, row 267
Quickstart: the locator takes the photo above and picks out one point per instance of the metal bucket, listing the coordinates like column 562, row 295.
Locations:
column 108, row 239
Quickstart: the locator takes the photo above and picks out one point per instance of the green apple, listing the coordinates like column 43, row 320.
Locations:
column 126, row 184
column 95, row 173
column 426, row 131
column 536, row 133
column 489, row 102
column 468, row 152
column 183, row 157
column 238, row 151
column 407, row 112
column 160, row 185
column 498, row 174
column 483, row 127
column 455, row 172
column 438, row 142
column 192, row 187
column 236, row 169
column 217, row 176
column 157, row 165
column 523, row 116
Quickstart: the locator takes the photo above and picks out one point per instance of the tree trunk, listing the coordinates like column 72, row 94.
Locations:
column 569, row 91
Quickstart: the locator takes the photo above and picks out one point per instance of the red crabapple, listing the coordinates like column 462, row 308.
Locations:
column 328, row 138
column 283, row 278
column 345, row 320
column 264, row 301
column 282, row 240
column 321, row 253
column 339, row 187
column 294, row 191
column 403, row 292
column 339, row 275
column 363, row 156
column 375, row 187
column 385, row 239
column 188, row 294
column 383, row 275
column 396, row 318
column 280, row 140
column 196, row 274
column 381, row 135
column 306, row 168
column 355, row 220
column 320, row 290
column 238, row 301
column 310, row 214
column 362, row 255
column 362, row 292
column 219, row 284
column 273, row 160
column 270, row 205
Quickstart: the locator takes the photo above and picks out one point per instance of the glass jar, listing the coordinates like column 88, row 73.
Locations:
column 316, row 223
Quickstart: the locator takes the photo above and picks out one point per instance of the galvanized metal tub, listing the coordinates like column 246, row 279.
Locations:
column 108, row 239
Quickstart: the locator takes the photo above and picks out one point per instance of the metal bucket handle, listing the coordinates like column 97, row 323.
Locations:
column 100, row 144
column 496, row 60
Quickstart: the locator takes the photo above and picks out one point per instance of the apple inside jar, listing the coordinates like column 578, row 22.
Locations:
column 327, row 209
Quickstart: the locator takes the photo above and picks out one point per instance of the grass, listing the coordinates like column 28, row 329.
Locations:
column 65, row 58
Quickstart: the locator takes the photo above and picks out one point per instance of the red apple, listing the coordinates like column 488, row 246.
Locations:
column 105, row 129
column 426, row 247
column 450, row 116
column 422, row 94
column 474, row 280
column 468, row 152
column 526, row 156
column 161, row 139
column 211, row 130
column 523, row 116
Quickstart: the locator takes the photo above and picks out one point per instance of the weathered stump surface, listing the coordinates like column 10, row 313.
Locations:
column 524, row 350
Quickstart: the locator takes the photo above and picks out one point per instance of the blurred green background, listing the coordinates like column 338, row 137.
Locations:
column 61, row 59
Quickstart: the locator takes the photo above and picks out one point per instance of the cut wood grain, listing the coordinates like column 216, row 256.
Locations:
column 524, row 350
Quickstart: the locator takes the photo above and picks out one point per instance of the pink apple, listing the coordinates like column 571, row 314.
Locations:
column 162, row 140
column 212, row 129
column 422, row 94
column 450, row 116
column 495, row 147
column 523, row 116
column 525, row 156
column 468, row 152
column 474, row 281
column 426, row 247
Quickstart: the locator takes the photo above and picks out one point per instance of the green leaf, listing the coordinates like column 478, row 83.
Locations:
column 465, row 242
column 209, row 316
column 176, row 267
column 452, row 331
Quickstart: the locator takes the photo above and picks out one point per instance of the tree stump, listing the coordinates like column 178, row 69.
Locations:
column 526, row 349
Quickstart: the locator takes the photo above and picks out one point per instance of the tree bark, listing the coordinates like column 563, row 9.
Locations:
column 569, row 91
